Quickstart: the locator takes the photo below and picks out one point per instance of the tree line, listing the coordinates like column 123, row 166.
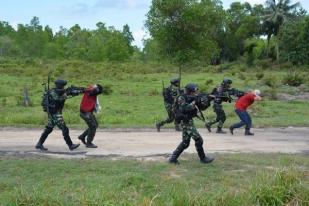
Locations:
column 182, row 31
column 201, row 30
column 32, row 40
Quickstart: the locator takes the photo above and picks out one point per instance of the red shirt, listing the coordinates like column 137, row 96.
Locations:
column 88, row 102
column 245, row 101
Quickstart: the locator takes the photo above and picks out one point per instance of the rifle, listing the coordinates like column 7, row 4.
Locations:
column 179, row 78
column 74, row 91
column 46, row 104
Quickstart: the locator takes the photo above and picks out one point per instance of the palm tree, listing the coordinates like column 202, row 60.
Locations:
column 276, row 14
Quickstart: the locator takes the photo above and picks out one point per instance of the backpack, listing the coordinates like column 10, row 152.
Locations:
column 167, row 95
column 47, row 102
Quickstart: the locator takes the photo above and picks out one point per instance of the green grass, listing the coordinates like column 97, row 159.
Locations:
column 136, row 100
column 233, row 179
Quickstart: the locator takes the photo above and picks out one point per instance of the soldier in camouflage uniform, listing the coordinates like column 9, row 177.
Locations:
column 58, row 96
column 186, row 110
column 220, row 94
column 170, row 95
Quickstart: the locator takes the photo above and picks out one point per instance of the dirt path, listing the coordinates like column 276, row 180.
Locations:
column 147, row 143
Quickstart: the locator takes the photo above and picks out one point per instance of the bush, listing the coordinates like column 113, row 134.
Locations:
column 293, row 79
column 270, row 81
column 259, row 75
column 271, row 93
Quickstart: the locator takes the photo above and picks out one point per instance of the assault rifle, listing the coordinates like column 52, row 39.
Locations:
column 74, row 91
column 46, row 96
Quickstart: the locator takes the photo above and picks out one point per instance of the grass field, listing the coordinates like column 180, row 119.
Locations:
column 136, row 100
column 233, row 179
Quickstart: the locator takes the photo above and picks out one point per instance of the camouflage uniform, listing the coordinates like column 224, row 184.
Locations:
column 221, row 94
column 55, row 118
column 188, row 109
column 217, row 107
column 175, row 92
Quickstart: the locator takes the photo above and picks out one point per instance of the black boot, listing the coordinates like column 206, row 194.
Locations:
column 40, row 147
column 158, row 126
column 42, row 139
column 73, row 146
column 247, row 132
column 232, row 130
column 208, row 127
column 176, row 153
column 82, row 139
column 203, row 158
column 220, row 131
column 91, row 145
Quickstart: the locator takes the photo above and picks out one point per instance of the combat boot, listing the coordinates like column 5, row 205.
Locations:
column 40, row 147
column 176, row 153
column 203, row 158
column 207, row 160
column 158, row 126
column 220, row 131
column 82, row 139
column 73, row 146
column 91, row 145
column 248, row 133
column 232, row 130
column 208, row 127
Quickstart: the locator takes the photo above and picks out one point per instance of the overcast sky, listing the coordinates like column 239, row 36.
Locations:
column 87, row 13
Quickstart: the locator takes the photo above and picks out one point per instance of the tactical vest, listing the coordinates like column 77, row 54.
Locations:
column 185, row 116
column 51, row 105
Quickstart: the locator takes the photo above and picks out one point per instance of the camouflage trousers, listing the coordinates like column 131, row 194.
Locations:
column 56, row 120
column 92, row 126
column 170, row 115
column 221, row 117
column 189, row 131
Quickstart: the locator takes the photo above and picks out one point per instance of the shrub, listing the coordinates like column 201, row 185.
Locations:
column 271, row 93
column 259, row 75
column 270, row 81
column 293, row 79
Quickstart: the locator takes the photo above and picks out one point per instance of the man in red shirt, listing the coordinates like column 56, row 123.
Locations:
column 89, row 104
column 241, row 106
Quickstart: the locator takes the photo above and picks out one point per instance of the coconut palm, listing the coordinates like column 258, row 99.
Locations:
column 276, row 14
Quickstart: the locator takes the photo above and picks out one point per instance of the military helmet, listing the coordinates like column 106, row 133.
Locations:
column 191, row 87
column 175, row 81
column 227, row 81
column 60, row 83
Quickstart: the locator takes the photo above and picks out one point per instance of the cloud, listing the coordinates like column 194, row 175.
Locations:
column 122, row 4
column 139, row 35
column 252, row 2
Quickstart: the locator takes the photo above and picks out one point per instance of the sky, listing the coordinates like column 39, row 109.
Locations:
column 87, row 13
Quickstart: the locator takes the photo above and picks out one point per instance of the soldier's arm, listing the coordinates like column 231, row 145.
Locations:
column 58, row 97
column 185, row 107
